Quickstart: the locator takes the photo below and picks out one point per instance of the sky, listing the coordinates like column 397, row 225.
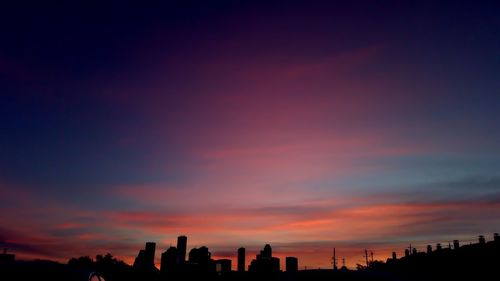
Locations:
column 304, row 124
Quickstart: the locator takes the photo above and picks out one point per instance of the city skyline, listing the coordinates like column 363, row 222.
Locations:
column 473, row 260
column 306, row 125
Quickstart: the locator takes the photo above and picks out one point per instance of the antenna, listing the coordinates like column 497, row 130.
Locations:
column 334, row 260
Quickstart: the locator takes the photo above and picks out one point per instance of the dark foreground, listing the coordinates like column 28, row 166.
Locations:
column 479, row 261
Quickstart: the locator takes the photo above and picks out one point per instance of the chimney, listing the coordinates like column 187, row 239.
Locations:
column 482, row 241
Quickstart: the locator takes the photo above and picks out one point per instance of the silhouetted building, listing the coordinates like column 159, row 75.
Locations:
column 145, row 260
column 181, row 249
column 265, row 262
column 140, row 260
column 6, row 259
column 267, row 252
column 200, row 260
column 292, row 264
column 407, row 253
column 394, row 256
column 474, row 261
column 150, row 252
column 199, row 255
column 496, row 237
column 169, row 259
column 241, row 259
column 414, row 251
column 482, row 240
column 223, row 266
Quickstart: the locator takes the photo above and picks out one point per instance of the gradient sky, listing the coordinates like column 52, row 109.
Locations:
column 307, row 125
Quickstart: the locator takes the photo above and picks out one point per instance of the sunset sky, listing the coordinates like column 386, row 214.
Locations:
column 304, row 124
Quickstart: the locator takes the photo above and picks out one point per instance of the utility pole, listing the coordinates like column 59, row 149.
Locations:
column 366, row 257
column 343, row 262
column 334, row 260
column 371, row 253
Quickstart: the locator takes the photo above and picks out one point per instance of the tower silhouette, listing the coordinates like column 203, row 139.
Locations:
column 265, row 262
column 267, row 252
column 181, row 249
column 241, row 259
column 150, row 252
column 145, row 260
column 169, row 261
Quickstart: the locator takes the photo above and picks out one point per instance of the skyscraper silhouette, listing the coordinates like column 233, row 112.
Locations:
column 241, row 259
column 267, row 252
column 181, row 249
column 265, row 262
column 169, row 262
column 150, row 252
column 145, row 260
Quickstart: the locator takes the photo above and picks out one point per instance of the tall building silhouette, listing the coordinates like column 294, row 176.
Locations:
column 199, row 255
column 169, row 264
column 145, row 260
column 265, row 262
column 267, row 252
column 241, row 259
column 150, row 252
column 181, row 249
column 200, row 260
column 292, row 264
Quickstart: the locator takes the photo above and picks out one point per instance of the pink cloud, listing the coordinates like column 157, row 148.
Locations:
column 294, row 229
